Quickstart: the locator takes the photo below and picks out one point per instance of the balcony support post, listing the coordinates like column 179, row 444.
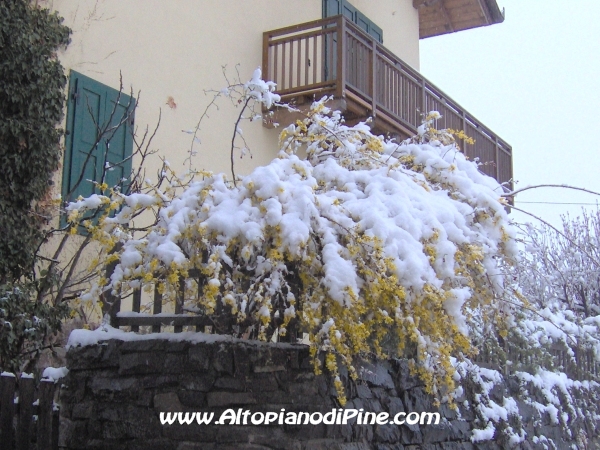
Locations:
column 341, row 58
column 497, row 158
column 265, row 58
column 423, row 100
column 463, row 143
column 374, row 77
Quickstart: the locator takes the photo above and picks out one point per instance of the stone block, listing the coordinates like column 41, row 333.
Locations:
column 198, row 382
column 243, row 447
column 527, row 411
column 191, row 433
column 456, row 446
column 151, row 444
column 141, row 363
column 193, row 399
column 269, row 359
column 235, row 434
column 320, row 444
column 461, row 430
column 139, row 429
column 241, row 360
column 145, row 346
column 410, row 434
column 375, row 374
column 160, row 381
column 218, row 399
column 167, row 402
column 101, row 385
column 354, row 446
column 386, row 433
column 303, row 389
column 103, row 355
column 381, row 393
column 200, row 357
column 263, row 382
column 447, row 412
column 437, row 433
column 231, row 383
column 402, row 377
column 71, row 433
column 196, row 446
column 175, row 363
column 417, row 400
column 363, row 391
column 223, row 360
column 395, row 406
column 84, row 410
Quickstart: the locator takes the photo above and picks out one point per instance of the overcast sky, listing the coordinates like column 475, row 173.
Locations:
column 535, row 81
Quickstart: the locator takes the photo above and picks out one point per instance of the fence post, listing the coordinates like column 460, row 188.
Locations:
column 7, row 405
column 157, row 307
column 26, row 391
column 44, row 431
column 136, row 304
column 179, row 299
column 111, row 304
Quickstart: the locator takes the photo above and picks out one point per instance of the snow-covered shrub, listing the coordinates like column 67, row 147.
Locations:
column 373, row 247
column 558, row 283
column 563, row 265
column 26, row 326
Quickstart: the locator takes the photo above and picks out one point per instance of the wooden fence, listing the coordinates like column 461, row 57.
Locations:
column 156, row 319
column 334, row 56
column 578, row 363
column 29, row 419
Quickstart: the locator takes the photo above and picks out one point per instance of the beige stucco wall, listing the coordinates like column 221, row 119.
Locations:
column 177, row 48
column 399, row 21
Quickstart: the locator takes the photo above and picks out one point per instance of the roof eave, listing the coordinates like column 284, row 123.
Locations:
column 438, row 17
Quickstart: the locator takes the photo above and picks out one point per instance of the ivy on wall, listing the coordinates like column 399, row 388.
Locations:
column 32, row 96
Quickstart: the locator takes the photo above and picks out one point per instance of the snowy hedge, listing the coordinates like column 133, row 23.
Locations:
column 370, row 246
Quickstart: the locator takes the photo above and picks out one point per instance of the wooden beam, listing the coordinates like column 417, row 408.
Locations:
column 447, row 19
column 423, row 3
column 484, row 12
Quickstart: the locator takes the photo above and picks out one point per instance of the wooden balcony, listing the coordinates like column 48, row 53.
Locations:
column 333, row 56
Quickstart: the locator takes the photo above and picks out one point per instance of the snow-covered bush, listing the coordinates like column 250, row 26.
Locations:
column 27, row 326
column 372, row 247
column 558, row 284
column 563, row 265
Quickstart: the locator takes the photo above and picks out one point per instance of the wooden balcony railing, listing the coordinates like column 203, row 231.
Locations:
column 334, row 56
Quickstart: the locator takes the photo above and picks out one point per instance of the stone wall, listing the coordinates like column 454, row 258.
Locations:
column 115, row 390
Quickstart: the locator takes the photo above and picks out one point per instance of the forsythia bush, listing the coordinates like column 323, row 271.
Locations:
column 372, row 247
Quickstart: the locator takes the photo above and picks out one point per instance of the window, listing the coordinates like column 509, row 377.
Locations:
column 99, row 139
column 336, row 7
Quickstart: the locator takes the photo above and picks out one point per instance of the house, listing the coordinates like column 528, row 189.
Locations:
column 364, row 52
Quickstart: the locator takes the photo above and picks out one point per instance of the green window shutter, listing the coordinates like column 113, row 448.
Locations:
column 349, row 11
column 91, row 106
column 376, row 32
column 332, row 8
column 119, row 143
column 335, row 7
column 368, row 26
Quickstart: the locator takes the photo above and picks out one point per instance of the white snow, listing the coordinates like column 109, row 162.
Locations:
column 55, row 373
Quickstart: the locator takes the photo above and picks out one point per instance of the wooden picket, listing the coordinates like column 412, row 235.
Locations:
column 17, row 417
